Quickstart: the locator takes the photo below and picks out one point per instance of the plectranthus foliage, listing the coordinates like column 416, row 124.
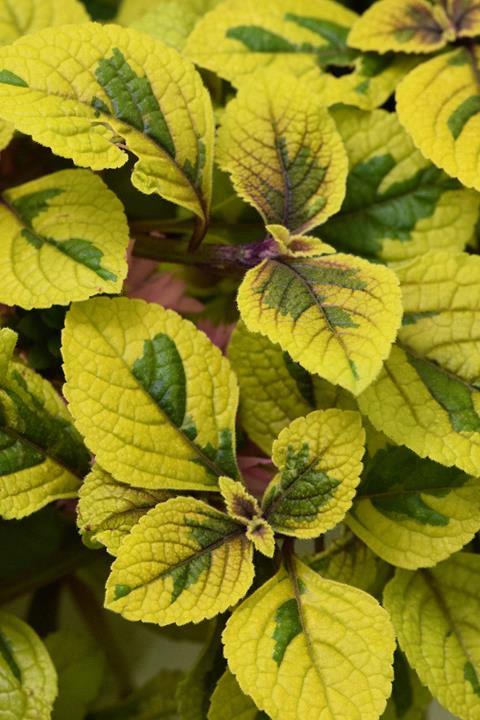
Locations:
column 239, row 359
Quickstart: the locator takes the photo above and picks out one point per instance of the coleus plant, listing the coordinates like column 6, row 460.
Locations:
column 340, row 239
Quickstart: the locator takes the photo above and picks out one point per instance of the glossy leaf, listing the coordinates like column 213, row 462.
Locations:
column 183, row 562
column 397, row 204
column 159, row 409
column 283, row 152
column 320, row 460
column 305, row 37
column 294, row 664
column 228, row 694
column 436, row 615
column 65, row 238
column 336, row 315
column 42, row 457
column 438, row 103
column 426, row 395
column 413, row 512
column 88, row 115
column 28, row 679
column 172, row 21
column 107, row 509
column 29, row 16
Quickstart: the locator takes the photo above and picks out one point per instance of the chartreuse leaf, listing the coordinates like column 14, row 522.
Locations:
column 132, row 10
column 414, row 512
column 107, row 509
column 183, row 562
column 319, row 458
column 303, row 646
column 336, row 315
column 438, row 103
column 348, row 560
column 28, row 685
column 159, row 409
column 228, row 694
column 274, row 390
column 426, row 396
column 172, row 21
column 153, row 701
column 128, row 93
column 29, row 16
column 411, row 26
column 298, row 245
column 409, row 699
column 283, row 152
column 42, row 457
column 65, row 238
column 304, row 37
column 397, row 204
column 244, row 508
column 436, row 615
column 6, row 133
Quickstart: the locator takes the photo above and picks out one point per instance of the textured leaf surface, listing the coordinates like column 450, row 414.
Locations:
column 426, row 396
column 436, row 616
column 274, row 390
column 283, row 152
column 228, row 694
column 294, row 664
column 107, row 509
column 320, row 460
column 304, row 37
column 28, row 16
column 414, row 512
column 42, row 457
column 28, row 685
column 154, row 399
column 172, row 21
column 416, row 26
column 397, row 204
column 126, row 92
column 439, row 104
column 183, row 562
column 65, row 238
column 336, row 315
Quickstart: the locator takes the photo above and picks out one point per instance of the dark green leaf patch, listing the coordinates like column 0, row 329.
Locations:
column 303, row 379
column 9, row 78
column 8, row 656
column 33, row 204
column 460, row 117
column 470, row 675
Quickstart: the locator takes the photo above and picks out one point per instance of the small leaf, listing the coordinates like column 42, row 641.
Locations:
column 336, row 315
column 28, row 16
column 426, row 397
column 413, row 512
column 240, row 505
column 42, row 457
column 436, row 614
column 107, row 509
column 172, row 21
column 29, row 681
column 397, row 204
column 320, row 461
column 176, row 551
column 410, row 26
column 65, row 238
column 88, row 115
column 228, row 694
column 298, row 245
column 438, row 103
column 302, row 645
column 283, row 152
column 159, row 410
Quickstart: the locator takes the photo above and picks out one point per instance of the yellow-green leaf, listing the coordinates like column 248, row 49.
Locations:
column 413, row 512
column 172, row 21
column 283, row 152
column 302, row 646
column 132, row 10
column 6, row 133
column 65, row 238
column 28, row 684
column 426, row 396
column 42, row 457
column 436, row 615
column 438, row 103
column 397, row 205
column 348, row 560
column 82, row 109
column 337, row 315
column 411, row 26
column 159, row 409
column 29, row 16
column 298, row 245
column 319, row 458
column 183, row 562
column 303, row 37
column 228, row 694
column 274, row 390
column 409, row 699
column 107, row 509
